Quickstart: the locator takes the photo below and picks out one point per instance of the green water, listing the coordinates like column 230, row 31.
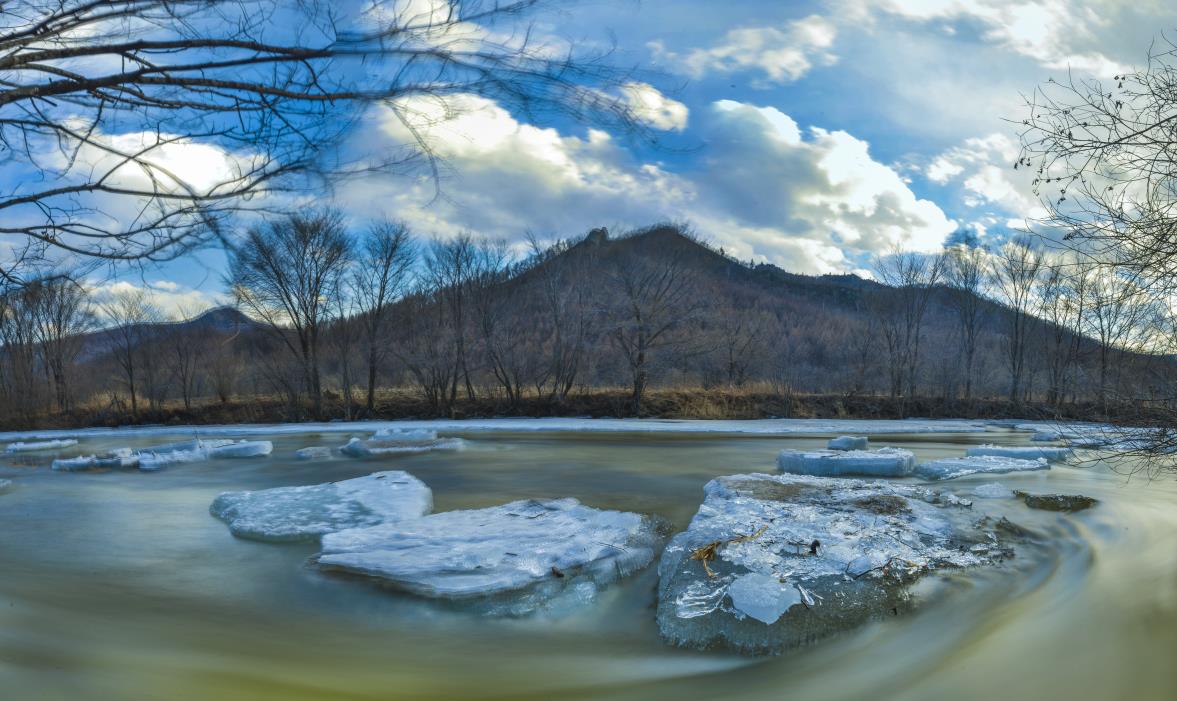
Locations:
column 120, row 586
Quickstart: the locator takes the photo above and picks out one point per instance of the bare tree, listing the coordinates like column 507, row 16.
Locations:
column 186, row 346
column 1114, row 308
column 380, row 276
column 655, row 298
column 566, row 303
column 901, row 310
column 1062, row 293
column 1016, row 272
column 105, row 102
column 130, row 313
column 965, row 274
column 282, row 273
column 455, row 272
column 62, row 314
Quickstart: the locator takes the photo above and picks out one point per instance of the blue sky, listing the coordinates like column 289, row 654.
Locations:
column 813, row 135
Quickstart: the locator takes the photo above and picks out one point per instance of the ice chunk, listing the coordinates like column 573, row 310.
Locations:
column 993, row 490
column 512, row 558
column 242, row 449
column 762, row 596
column 357, row 448
column 305, row 513
column 196, row 450
column 120, row 458
column 846, row 549
column 410, row 435
column 848, row 443
column 951, row 468
column 5, row 485
column 1024, row 452
column 884, row 462
column 314, row 452
column 56, row 444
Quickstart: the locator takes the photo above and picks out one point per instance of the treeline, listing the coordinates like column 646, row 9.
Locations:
column 332, row 322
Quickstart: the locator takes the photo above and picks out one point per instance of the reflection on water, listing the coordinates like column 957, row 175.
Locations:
column 121, row 586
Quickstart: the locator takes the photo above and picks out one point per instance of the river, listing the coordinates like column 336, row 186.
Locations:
column 120, row 585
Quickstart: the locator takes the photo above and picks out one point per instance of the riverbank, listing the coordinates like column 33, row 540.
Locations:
column 683, row 403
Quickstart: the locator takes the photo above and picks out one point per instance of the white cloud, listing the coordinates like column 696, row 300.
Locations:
column 1058, row 34
column 174, row 301
column 982, row 169
column 811, row 200
column 783, row 54
column 654, row 108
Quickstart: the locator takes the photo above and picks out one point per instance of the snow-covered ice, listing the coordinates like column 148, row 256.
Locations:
column 512, row 558
column 848, row 443
column 305, row 513
column 951, row 468
column 358, row 448
column 993, row 490
column 314, row 452
column 884, row 462
column 774, row 561
column 1024, row 452
column 55, row 444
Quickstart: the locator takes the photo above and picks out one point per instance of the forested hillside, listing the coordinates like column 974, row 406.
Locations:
column 446, row 326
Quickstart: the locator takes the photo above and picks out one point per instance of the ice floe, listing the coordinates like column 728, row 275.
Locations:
column 359, row 448
column 242, row 449
column 307, row 512
column 314, row 452
column 122, row 458
column 512, row 559
column 33, row 446
column 884, row 462
column 848, row 443
column 950, row 468
column 1024, row 452
column 199, row 449
column 773, row 561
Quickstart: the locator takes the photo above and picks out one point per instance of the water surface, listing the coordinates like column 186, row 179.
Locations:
column 120, row 585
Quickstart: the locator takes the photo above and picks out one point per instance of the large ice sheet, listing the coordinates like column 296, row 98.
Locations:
column 848, row 443
column 951, row 468
column 305, row 513
column 775, row 561
column 56, row 444
column 1032, row 452
column 514, row 558
column 884, row 462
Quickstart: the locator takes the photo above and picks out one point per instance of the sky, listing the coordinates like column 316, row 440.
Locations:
column 811, row 135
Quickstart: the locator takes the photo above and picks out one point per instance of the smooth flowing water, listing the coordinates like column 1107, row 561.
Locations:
column 120, row 585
